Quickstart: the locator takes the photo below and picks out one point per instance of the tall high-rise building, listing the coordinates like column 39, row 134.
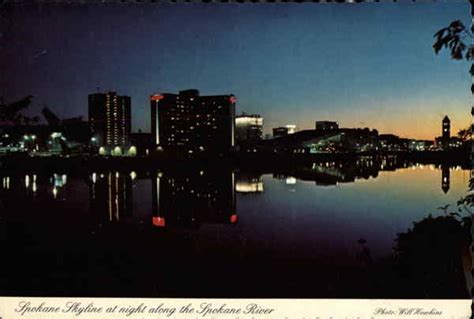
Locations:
column 193, row 122
column 109, row 121
column 248, row 128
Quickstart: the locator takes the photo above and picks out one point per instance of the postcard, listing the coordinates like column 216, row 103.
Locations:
column 236, row 160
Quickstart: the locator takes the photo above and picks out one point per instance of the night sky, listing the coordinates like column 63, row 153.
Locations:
column 359, row 64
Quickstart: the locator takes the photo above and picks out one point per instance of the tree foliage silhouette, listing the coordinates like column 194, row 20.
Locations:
column 453, row 38
column 12, row 113
column 458, row 40
column 433, row 256
column 465, row 134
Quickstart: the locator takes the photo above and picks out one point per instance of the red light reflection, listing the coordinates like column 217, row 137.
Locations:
column 159, row 221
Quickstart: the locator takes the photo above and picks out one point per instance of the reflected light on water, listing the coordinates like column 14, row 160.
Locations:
column 6, row 182
column 214, row 213
column 158, row 221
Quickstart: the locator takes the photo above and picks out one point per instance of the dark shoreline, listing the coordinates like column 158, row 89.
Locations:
column 251, row 161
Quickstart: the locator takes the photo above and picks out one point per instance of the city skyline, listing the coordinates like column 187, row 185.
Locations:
column 392, row 82
column 297, row 151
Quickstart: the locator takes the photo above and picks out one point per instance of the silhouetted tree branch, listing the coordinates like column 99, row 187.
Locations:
column 465, row 134
column 12, row 112
column 453, row 38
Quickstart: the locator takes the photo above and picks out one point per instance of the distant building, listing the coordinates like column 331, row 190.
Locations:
column 188, row 121
column 420, row 145
column 109, row 122
column 248, row 128
column 57, row 137
column 291, row 128
column 75, row 129
column 284, row 130
column 280, row 131
column 56, row 143
column 320, row 141
column 390, row 142
column 30, row 138
column 326, row 125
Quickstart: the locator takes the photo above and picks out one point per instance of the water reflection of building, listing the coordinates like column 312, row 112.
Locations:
column 249, row 184
column 331, row 173
column 30, row 185
column 192, row 198
column 445, row 178
column 6, row 182
column 58, row 181
column 111, row 193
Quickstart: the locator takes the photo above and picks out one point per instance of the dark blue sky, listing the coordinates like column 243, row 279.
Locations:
column 360, row 64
